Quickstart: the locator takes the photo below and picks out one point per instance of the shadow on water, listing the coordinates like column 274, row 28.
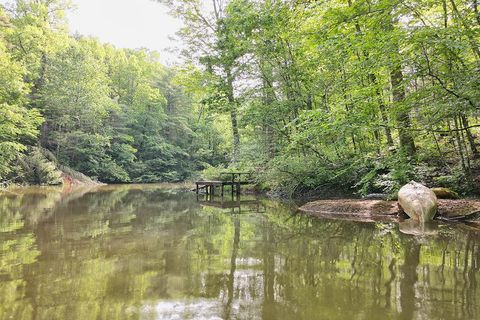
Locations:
column 150, row 252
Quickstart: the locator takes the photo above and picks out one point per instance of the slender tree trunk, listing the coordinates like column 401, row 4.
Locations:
column 477, row 12
column 37, row 87
column 236, row 135
column 407, row 143
column 348, row 109
column 268, row 99
column 388, row 132
column 470, row 137
column 464, row 144
column 383, row 110
column 352, row 134
column 460, row 146
column 437, row 145
column 445, row 13
column 233, row 118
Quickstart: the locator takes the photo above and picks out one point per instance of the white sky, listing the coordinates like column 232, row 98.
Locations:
column 127, row 24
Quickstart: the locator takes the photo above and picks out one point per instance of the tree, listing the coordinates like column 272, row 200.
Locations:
column 215, row 41
column 18, row 124
column 76, row 102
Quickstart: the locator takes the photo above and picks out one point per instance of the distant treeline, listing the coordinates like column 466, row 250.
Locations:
column 117, row 115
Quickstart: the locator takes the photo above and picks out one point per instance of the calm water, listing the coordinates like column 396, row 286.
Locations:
column 153, row 253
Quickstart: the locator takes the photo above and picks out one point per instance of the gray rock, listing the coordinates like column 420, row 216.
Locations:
column 419, row 202
column 445, row 193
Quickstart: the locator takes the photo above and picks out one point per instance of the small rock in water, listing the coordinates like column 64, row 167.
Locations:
column 445, row 193
column 419, row 202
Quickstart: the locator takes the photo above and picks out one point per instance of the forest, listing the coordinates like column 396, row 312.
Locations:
column 312, row 96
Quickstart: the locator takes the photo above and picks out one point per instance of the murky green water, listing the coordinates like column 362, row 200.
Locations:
column 153, row 253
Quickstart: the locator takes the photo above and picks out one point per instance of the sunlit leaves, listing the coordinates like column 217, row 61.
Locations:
column 17, row 123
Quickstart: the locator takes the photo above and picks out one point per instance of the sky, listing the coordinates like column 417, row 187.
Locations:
column 127, row 24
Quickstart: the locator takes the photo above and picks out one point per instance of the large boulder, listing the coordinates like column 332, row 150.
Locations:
column 419, row 202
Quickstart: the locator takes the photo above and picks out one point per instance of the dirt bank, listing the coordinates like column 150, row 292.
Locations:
column 379, row 210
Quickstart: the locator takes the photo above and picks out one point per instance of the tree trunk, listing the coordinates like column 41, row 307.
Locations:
column 407, row 144
column 382, row 108
column 268, row 100
column 233, row 118
column 470, row 137
column 459, row 143
column 475, row 9
column 236, row 136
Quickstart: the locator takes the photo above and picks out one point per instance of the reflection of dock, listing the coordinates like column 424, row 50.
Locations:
column 243, row 206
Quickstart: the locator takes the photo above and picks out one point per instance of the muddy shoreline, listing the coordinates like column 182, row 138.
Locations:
column 388, row 211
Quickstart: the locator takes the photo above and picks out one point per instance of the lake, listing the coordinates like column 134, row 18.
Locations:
column 156, row 252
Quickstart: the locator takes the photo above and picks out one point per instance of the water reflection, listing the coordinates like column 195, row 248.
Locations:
column 131, row 252
column 236, row 203
column 419, row 229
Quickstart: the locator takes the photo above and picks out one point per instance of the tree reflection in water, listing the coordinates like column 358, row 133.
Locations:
column 147, row 252
column 409, row 280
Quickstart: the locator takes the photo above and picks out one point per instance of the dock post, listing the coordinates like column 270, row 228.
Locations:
column 197, row 189
column 222, row 189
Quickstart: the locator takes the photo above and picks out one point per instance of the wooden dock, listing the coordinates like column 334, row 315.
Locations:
column 212, row 186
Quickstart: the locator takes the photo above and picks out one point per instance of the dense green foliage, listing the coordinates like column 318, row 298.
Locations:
column 117, row 115
column 312, row 95
column 343, row 93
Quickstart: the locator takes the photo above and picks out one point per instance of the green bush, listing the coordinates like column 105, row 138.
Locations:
column 212, row 173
